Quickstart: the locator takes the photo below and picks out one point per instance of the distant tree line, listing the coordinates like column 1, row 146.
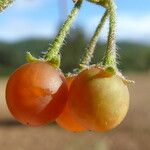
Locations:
column 131, row 56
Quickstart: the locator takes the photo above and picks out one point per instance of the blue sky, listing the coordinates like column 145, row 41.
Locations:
column 40, row 18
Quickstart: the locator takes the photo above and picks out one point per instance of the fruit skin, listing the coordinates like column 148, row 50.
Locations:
column 98, row 101
column 36, row 93
column 66, row 119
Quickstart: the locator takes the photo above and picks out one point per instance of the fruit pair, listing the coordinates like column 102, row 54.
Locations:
column 97, row 101
column 37, row 93
column 96, row 98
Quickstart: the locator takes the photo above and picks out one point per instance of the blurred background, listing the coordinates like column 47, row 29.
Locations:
column 30, row 25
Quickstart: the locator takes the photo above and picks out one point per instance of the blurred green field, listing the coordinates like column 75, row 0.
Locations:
column 132, row 134
column 131, row 56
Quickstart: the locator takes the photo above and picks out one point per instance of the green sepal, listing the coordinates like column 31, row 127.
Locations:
column 31, row 58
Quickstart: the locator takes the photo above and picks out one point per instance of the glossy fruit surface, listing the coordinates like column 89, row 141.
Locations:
column 66, row 119
column 36, row 93
column 98, row 101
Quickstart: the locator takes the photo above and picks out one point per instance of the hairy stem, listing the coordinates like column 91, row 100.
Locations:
column 92, row 44
column 53, row 51
column 110, row 55
column 103, row 3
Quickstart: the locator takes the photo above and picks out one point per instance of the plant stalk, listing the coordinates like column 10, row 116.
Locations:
column 110, row 54
column 53, row 51
column 92, row 44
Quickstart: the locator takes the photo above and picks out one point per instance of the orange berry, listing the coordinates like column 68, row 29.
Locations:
column 36, row 93
column 98, row 101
